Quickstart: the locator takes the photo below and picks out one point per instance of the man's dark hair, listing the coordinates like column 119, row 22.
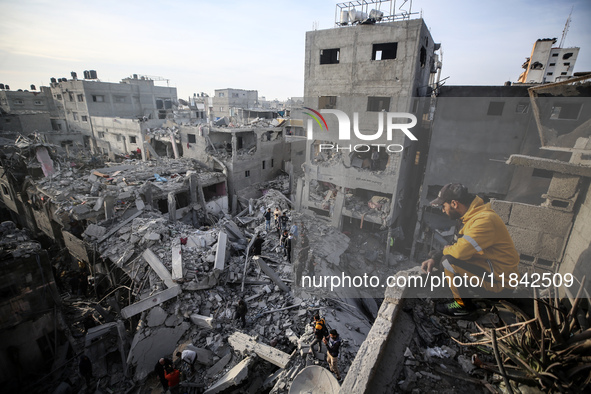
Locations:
column 317, row 317
column 334, row 332
column 179, row 354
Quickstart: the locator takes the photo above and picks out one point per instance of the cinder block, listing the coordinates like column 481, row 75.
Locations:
column 541, row 219
column 526, row 241
column 502, row 208
column 550, row 247
column 563, row 186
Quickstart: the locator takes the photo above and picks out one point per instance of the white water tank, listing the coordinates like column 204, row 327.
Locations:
column 344, row 17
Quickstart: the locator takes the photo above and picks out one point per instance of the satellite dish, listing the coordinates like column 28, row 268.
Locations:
column 314, row 380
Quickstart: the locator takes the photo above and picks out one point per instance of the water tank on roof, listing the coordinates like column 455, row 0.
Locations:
column 344, row 17
column 6, row 87
column 1, row 86
column 74, row 75
column 134, row 76
column 93, row 74
column 86, row 74
column 53, row 80
column 33, row 87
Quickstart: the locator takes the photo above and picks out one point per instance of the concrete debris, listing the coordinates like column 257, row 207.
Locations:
column 245, row 343
column 232, row 378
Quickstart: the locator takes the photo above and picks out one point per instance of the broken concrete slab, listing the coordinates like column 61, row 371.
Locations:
column 220, row 365
column 220, row 252
column 156, row 316
column 234, row 231
column 145, row 304
column 232, row 377
column 177, row 260
column 245, row 343
column 202, row 321
column 158, row 267
column 271, row 274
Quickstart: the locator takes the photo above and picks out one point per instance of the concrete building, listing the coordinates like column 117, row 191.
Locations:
column 548, row 64
column 25, row 111
column 248, row 155
column 136, row 98
column 226, row 102
column 370, row 70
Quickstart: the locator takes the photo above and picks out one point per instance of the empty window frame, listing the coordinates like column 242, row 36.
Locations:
column 132, row 140
column 563, row 73
column 567, row 55
column 191, row 138
column 84, row 118
column 246, row 173
column 423, row 57
column 75, row 116
column 552, row 64
column 58, row 96
column 97, row 98
column 566, row 111
column 495, row 108
column 555, row 55
column 263, row 164
column 567, row 64
column 18, row 102
column 549, row 73
column 80, row 97
column 384, row 51
column 327, row 102
column 330, row 56
column 378, row 104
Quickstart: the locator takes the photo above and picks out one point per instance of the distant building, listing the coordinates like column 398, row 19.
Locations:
column 25, row 111
column 548, row 64
column 226, row 102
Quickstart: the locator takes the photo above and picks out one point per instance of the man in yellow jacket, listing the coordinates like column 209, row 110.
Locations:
column 485, row 249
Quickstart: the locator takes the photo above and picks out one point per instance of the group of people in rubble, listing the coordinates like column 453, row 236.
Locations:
column 331, row 340
column 287, row 234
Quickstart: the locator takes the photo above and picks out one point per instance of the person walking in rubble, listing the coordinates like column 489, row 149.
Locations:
column 333, row 345
column 241, row 311
column 268, row 219
column 188, row 357
column 320, row 332
column 484, row 249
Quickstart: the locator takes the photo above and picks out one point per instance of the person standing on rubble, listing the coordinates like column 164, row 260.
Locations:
column 283, row 241
column 160, row 369
column 484, row 249
column 284, row 221
column 276, row 214
column 173, row 376
column 294, row 230
column 257, row 245
column 320, row 332
column 188, row 356
column 85, row 368
column 268, row 220
column 288, row 243
column 333, row 345
column 241, row 311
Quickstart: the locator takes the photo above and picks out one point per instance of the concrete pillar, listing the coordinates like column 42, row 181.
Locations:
column 337, row 212
column 109, row 206
column 172, row 207
column 174, row 147
column 141, row 137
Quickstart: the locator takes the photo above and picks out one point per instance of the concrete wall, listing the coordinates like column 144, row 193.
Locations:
column 577, row 254
column 469, row 146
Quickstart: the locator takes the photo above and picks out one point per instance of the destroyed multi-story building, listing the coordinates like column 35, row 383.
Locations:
column 549, row 64
column 368, row 71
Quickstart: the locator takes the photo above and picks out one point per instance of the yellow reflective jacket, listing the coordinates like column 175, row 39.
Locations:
column 485, row 242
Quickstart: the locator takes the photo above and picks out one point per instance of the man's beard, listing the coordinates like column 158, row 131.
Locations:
column 453, row 214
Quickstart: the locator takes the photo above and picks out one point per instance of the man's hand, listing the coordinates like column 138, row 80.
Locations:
column 427, row 265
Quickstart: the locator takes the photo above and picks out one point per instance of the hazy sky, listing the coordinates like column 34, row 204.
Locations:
column 205, row 45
